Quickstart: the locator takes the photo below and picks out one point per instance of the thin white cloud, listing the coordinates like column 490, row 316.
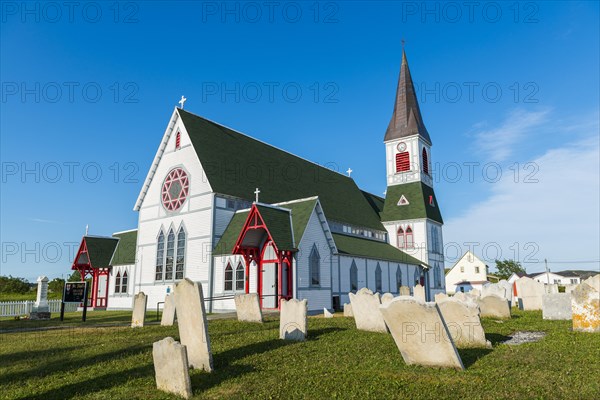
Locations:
column 498, row 143
column 557, row 217
column 42, row 221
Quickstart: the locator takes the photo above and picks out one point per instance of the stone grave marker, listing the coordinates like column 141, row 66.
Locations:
column 41, row 308
column 419, row 293
column 530, row 293
column 365, row 306
column 387, row 297
column 439, row 297
column 139, row 310
column 594, row 281
column 192, row 323
column 404, row 291
column 508, row 290
column 585, row 306
column 247, row 307
column 348, row 310
column 168, row 314
column 293, row 323
column 464, row 325
column 492, row 306
column 551, row 289
column 493, row 289
column 171, row 367
column 556, row 306
column 327, row 313
column 420, row 333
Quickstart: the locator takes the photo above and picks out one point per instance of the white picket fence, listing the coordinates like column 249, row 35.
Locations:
column 17, row 308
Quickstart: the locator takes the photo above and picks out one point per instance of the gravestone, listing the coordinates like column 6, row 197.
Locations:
column 387, row 297
column 474, row 293
column 365, row 306
column 41, row 308
column 327, row 313
column 570, row 287
column 460, row 296
column 493, row 289
column 551, row 289
column 420, row 333
column 404, row 291
column 556, row 306
column 193, row 327
column 247, row 307
column 168, row 314
column 439, row 297
column 139, row 310
column 171, row 367
column 508, row 290
column 419, row 293
column 594, row 281
column 292, row 319
column 348, row 310
column 530, row 293
column 464, row 325
column 492, row 306
column 585, row 305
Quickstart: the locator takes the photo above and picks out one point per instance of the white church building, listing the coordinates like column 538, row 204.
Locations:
column 241, row 216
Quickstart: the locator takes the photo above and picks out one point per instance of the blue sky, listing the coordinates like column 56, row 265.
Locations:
column 503, row 87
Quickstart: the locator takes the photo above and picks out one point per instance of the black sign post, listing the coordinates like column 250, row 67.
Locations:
column 75, row 292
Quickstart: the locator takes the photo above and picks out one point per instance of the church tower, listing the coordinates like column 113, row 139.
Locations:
column 411, row 213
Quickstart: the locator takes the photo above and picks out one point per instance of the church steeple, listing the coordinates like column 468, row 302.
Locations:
column 406, row 118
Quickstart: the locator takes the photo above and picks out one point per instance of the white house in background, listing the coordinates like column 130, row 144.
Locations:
column 468, row 273
column 567, row 278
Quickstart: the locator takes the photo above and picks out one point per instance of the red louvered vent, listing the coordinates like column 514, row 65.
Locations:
column 402, row 162
column 178, row 141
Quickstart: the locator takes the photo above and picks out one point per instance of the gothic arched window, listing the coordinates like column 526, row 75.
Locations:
column 410, row 243
column 425, row 161
column 400, row 238
column 180, row 260
column 160, row 259
column 228, row 278
column 378, row 285
column 239, row 277
column 353, row 277
column 118, row 283
column 314, row 266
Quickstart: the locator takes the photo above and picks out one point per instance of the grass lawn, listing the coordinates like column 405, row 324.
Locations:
column 337, row 361
column 31, row 295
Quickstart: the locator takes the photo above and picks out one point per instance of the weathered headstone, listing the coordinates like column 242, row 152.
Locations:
column 492, row 306
column 404, row 291
column 556, row 306
column 138, row 316
column 439, row 297
column 292, row 319
column 420, row 333
column 474, row 293
column 585, row 305
column 530, row 293
column 168, row 314
column 41, row 308
column 387, row 297
column 508, row 290
column 493, row 289
column 327, row 313
column 193, row 327
column 365, row 306
column 594, row 281
column 461, row 296
column 247, row 307
column 171, row 367
column 348, row 310
column 551, row 288
column 419, row 293
column 570, row 287
column 464, row 325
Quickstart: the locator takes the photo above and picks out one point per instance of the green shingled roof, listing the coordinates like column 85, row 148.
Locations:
column 417, row 194
column 125, row 252
column 236, row 164
column 100, row 250
column 275, row 220
column 367, row 248
column 279, row 225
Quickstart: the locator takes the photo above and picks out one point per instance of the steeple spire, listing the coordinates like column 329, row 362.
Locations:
column 406, row 118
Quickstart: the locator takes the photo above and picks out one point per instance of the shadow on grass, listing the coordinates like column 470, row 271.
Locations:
column 12, row 358
column 496, row 338
column 314, row 334
column 60, row 366
column 95, row 384
column 470, row 356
